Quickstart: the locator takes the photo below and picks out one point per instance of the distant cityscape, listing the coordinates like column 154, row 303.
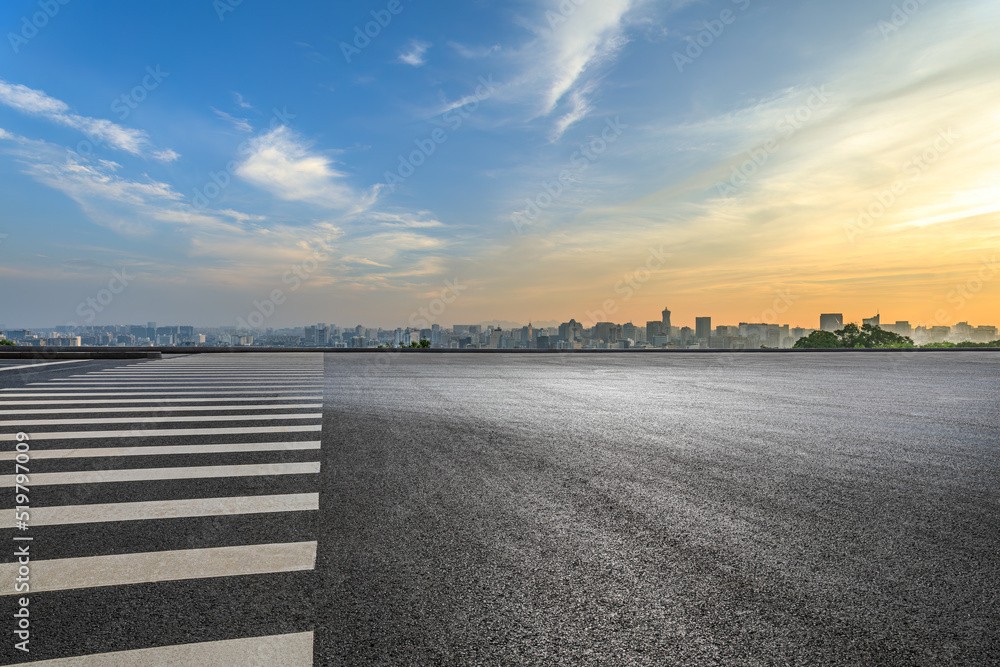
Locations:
column 660, row 333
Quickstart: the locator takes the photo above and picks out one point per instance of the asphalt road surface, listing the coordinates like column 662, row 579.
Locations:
column 407, row 509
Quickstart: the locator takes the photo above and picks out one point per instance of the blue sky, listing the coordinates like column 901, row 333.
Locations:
column 210, row 148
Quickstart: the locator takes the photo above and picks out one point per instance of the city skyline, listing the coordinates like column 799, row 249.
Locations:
column 548, row 157
column 423, row 323
column 550, row 334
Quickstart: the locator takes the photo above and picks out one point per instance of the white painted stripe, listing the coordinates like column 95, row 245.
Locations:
column 109, row 401
column 166, row 509
column 152, row 433
column 203, row 370
column 186, row 381
column 162, row 408
column 160, row 420
column 275, row 651
column 147, row 393
column 46, row 363
column 164, row 450
column 151, row 474
column 287, row 377
column 119, row 570
column 120, row 372
column 173, row 385
column 238, row 363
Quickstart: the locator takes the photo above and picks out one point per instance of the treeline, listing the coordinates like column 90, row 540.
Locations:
column 965, row 343
column 852, row 337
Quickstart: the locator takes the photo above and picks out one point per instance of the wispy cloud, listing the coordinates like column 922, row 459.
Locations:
column 580, row 107
column 284, row 164
column 414, row 55
column 582, row 39
column 558, row 70
column 240, row 102
column 472, row 53
column 168, row 155
column 37, row 103
column 417, row 220
column 241, row 124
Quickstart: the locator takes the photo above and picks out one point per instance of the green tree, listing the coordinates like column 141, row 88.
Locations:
column 7, row 342
column 853, row 336
column 819, row 340
column 424, row 343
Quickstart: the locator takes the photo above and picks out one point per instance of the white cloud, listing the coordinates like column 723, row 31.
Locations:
column 580, row 107
column 577, row 41
column 242, row 103
column 473, row 52
column 168, row 155
column 37, row 103
column 559, row 67
column 236, row 249
column 418, row 220
column 30, row 101
column 285, row 165
column 241, row 124
column 415, row 55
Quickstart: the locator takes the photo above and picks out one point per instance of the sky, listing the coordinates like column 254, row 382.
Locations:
column 198, row 161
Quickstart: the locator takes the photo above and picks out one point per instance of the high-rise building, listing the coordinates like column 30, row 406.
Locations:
column 873, row 321
column 703, row 328
column 831, row 321
column 984, row 334
column 570, row 331
column 666, row 321
column 608, row 332
column 496, row 339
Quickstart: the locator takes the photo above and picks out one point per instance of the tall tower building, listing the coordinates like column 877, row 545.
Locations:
column 703, row 328
column 666, row 321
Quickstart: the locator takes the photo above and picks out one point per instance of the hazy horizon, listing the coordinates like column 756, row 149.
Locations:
column 548, row 158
